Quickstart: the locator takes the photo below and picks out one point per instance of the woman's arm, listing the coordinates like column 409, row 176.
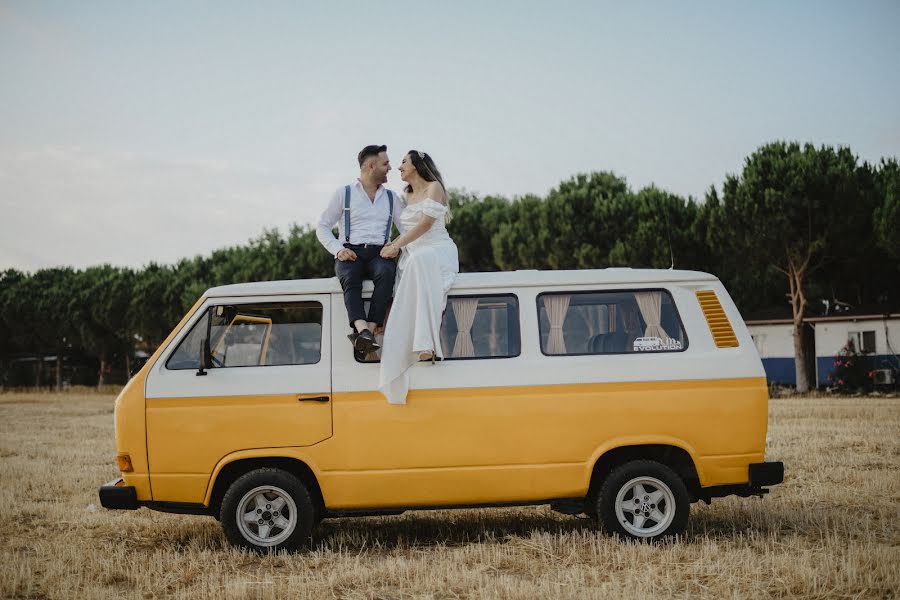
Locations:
column 433, row 191
column 417, row 231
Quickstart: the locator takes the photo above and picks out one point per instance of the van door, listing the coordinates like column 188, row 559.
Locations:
column 266, row 384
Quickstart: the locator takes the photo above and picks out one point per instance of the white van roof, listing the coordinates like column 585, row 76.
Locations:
column 498, row 279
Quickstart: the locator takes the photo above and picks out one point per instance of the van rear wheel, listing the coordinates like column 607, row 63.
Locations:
column 267, row 510
column 644, row 500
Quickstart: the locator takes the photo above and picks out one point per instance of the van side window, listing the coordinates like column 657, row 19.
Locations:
column 254, row 335
column 481, row 327
column 478, row 327
column 615, row 322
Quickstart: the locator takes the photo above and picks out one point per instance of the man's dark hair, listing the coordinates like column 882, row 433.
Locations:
column 370, row 151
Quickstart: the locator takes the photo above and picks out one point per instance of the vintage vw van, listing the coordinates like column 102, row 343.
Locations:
column 623, row 394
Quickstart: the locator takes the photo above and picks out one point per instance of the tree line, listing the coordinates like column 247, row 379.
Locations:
column 798, row 223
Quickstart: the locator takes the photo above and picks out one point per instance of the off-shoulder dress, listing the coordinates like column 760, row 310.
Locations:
column 426, row 270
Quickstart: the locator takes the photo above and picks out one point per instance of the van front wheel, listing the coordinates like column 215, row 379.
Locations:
column 267, row 510
column 644, row 500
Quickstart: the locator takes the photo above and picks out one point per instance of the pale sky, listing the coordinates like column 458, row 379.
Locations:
column 136, row 132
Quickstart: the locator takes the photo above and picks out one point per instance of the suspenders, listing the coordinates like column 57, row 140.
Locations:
column 390, row 221
column 387, row 231
column 347, row 214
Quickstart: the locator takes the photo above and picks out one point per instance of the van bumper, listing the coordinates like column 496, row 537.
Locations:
column 766, row 473
column 760, row 476
column 117, row 495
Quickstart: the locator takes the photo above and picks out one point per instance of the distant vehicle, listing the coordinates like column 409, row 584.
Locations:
column 255, row 410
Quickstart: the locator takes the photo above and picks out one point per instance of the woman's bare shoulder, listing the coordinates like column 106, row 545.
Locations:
column 435, row 191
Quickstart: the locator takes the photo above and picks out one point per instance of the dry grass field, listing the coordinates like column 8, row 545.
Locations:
column 832, row 530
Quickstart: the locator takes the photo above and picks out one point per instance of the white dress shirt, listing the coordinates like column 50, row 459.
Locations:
column 368, row 219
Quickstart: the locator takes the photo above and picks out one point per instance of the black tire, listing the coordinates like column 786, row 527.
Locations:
column 661, row 513
column 279, row 498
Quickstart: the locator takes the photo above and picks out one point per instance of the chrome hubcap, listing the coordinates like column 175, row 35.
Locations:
column 266, row 515
column 645, row 506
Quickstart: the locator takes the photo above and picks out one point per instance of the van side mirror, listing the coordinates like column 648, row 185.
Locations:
column 205, row 354
column 205, row 357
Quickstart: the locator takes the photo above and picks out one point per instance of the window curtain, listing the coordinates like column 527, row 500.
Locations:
column 596, row 318
column 650, row 304
column 494, row 340
column 557, row 306
column 464, row 310
column 445, row 337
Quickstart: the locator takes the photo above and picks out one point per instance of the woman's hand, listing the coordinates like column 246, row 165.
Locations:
column 389, row 251
column 393, row 249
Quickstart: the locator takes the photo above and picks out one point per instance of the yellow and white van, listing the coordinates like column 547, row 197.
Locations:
column 624, row 394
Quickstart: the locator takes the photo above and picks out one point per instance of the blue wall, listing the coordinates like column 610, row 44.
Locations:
column 780, row 370
column 826, row 364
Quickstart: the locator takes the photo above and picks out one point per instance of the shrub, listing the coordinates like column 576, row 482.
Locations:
column 849, row 372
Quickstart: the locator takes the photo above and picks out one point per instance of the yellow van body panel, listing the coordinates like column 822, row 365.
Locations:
column 192, row 435
column 131, row 432
column 488, row 445
column 131, row 418
column 300, row 454
column 508, row 444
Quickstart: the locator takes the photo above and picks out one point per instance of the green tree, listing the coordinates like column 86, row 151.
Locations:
column 521, row 241
column 751, row 289
column 655, row 231
column 304, row 257
column 55, row 306
column 192, row 278
column 583, row 220
column 155, row 306
column 11, row 326
column 475, row 221
column 887, row 212
column 259, row 260
column 103, row 306
column 787, row 208
column 37, row 316
column 576, row 226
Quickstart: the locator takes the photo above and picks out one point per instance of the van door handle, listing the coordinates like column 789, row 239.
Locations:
column 313, row 399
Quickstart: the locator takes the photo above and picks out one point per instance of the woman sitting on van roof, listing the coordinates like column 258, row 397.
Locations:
column 427, row 268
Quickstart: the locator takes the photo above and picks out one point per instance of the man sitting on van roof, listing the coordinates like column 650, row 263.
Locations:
column 368, row 210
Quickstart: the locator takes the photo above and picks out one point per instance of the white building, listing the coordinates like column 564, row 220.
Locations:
column 874, row 330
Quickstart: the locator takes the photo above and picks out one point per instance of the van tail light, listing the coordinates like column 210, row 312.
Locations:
column 718, row 322
column 124, row 461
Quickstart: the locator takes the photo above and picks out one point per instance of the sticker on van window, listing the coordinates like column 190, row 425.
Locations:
column 655, row 344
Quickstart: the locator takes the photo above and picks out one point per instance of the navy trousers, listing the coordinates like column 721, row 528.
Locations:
column 368, row 265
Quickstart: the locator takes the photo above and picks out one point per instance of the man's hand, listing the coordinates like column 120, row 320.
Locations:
column 390, row 251
column 346, row 254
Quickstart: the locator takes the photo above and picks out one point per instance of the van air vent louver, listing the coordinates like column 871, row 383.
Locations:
column 718, row 323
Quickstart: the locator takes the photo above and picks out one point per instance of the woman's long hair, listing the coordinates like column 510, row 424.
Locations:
column 427, row 170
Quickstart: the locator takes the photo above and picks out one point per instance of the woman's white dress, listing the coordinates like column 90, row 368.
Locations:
column 426, row 270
